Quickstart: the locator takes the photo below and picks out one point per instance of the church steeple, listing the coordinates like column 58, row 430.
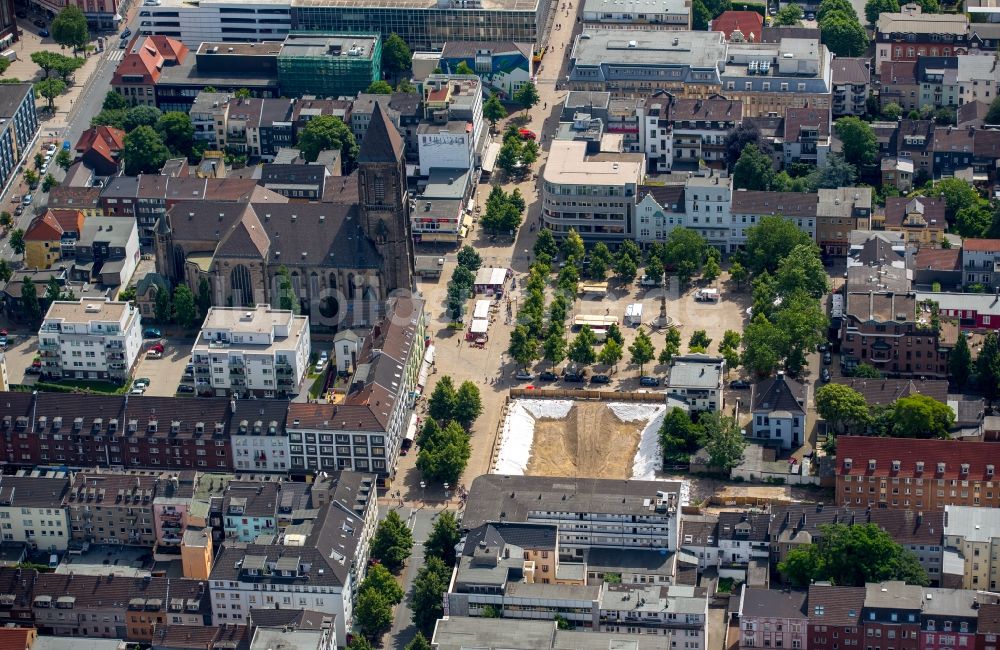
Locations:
column 385, row 205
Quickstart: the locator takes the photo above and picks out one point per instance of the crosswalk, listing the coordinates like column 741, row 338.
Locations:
column 115, row 55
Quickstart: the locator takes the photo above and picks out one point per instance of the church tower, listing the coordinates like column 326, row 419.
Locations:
column 385, row 206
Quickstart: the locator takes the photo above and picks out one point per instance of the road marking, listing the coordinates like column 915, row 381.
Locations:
column 115, row 55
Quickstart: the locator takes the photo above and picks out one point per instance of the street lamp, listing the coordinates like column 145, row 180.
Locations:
column 446, row 495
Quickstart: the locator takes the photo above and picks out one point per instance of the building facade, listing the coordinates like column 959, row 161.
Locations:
column 90, row 340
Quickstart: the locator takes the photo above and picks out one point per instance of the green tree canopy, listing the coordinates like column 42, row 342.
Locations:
column 523, row 347
column 144, row 152
column 581, row 350
column 527, row 96
column 184, row 310
column 444, row 454
column 379, row 578
column 920, row 416
column 141, row 116
column 442, row 402
column 69, row 28
column 419, row 642
column 396, row 56
column 679, row 436
column 754, row 170
column 379, row 87
column 851, row 556
column 428, row 588
column 177, row 131
column 50, row 88
column 770, row 241
column 468, row 404
column 641, row 351
column 611, row 353
column 874, row 8
column 858, row 138
column 494, row 111
column 328, row 132
column 392, row 542
column 373, row 613
column 960, row 365
column 723, row 440
column 790, row 14
column 842, row 407
column 445, row 535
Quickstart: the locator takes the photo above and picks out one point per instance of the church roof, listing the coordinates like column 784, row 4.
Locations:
column 245, row 239
column 382, row 141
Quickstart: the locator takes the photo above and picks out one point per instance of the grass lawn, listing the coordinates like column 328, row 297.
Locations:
column 317, row 385
column 94, row 386
column 725, row 586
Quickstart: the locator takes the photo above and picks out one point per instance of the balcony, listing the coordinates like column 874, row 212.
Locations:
column 233, row 371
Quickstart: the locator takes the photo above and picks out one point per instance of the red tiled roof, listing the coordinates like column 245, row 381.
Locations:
column 43, row 228
column 105, row 141
column 69, row 220
column 750, row 23
column 938, row 259
column 149, row 58
column 860, row 450
column 981, row 245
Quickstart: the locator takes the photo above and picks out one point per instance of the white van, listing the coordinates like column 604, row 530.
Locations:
column 707, row 295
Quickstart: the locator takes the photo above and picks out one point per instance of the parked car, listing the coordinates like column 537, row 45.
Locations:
column 649, row 381
column 527, row 134
column 321, row 363
column 126, row 33
column 137, row 391
column 123, row 44
column 51, row 149
column 154, row 354
column 739, row 384
column 600, row 379
column 822, row 347
column 27, row 199
column 18, row 211
column 38, row 22
column 185, row 388
column 547, row 375
column 141, row 382
column 152, row 333
column 44, row 33
column 189, row 370
column 827, row 358
column 524, row 375
column 157, row 346
column 825, row 375
column 575, row 377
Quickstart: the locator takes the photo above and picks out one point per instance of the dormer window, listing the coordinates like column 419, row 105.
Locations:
column 98, row 423
column 920, row 466
column 57, row 423
column 42, row 421
column 871, row 465
column 847, row 463
column 152, row 426
column 199, row 427
column 175, row 426
column 940, row 468
column 895, row 465
column 112, row 425
column 78, row 424
column 965, row 468
column 133, row 426
column 989, row 470
column 244, row 425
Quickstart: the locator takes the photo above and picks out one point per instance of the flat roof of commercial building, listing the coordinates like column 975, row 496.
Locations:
column 569, row 164
column 354, row 5
column 261, row 318
column 354, row 46
column 639, row 6
column 264, row 48
column 84, row 311
column 660, row 48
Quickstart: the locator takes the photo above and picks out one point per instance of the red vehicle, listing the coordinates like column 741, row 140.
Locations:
column 156, row 347
column 527, row 134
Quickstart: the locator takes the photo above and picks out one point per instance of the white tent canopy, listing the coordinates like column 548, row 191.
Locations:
column 482, row 309
column 480, row 326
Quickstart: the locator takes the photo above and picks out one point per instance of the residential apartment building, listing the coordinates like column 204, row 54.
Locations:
column 659, row 209
column 140, row 68
column 250, row 509
column 588, row 513
column 708, row 208
column 899, row 85
column 772, row 618
column 920, row 219
column 910, row 34
column 262, row 352
column 402, row 110
column 851, row 85
column 778, row 411
column 453, row 135
column 914, row 140
column 18, row 128
column 699, row 129
column 839, row 211
column 258, row 437
column 971, row 539
column 594, row 195
column 749, row 207
column 981, row 262
column 915, row 474
column 171, row 509
column 107, row 251
column 31, row 510
column 111, row 508
column 954, row 150
column 807, row 136
column 90, row 340
column 697, row 380
column 364, row 432
column 834, row 616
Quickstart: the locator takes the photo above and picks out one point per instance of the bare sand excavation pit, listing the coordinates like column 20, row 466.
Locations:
column 589, row 442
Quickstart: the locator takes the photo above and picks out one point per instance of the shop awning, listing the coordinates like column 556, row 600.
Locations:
column 411, row 431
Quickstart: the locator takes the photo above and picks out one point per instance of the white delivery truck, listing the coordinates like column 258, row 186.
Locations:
column 633, row 314
column 707, row 295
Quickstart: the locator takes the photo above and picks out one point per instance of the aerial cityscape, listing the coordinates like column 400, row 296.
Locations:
column 499, row 324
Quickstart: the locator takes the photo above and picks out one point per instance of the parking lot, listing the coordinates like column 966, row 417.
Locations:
column 20, row 351
column 165, row 373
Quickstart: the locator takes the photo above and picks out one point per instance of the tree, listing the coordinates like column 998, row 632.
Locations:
column 31, row 178
column 404, row 86
column 754, row 170
column 286, row 291
column 762, row 342
column 509, row 157
column 828, row 7
column 554, row 348
column 396, row 55
column 699, row 339
column 546, row 243
column 710, row 271
column 64, row 159
column 441, row 405
column 392, row 542
column 373, row 613
column 69, row 28
column 45, row 60
column 700, row 16
column 468, row 258
column 641, row 351
column 975, row 220
column 790, row 14
column 177, row 131
column 49, row 182
column 672, row 346
column 745, row 133
column 993, row 115
column 529, row 154
column 463, row 68
column 891, row 111
column 6, row 220
column 445, row 535
column 729, row 348
column 468, row 404
column 803, row 322
column 919, row 416
column 988, row 367
column 875, row 8
column 17, row 241
column 162, row 308
column 379, row 87
column 858, row 138
column 957, row 195
column 843, row 35
column 611, row 353
column 242, row 94
column 685, row 251
column 960, row 362
column 581, row 350
column 851, row 556
column 329, row 132
column 615, row 334
column 184, row 310
column 679, row 436
column 724, row 441
column 5, row 270
column 572, row 247
column 428, row 590
column 523, row 348
column 835, row 173
column 53, row 290
column 381, row 580
column 929, row 6
column 802, row 270
column 144, row 151
column 39, row 160
column 360, row 642
column 141, row 116
column 114, row 100
column 738, row 274
column 29, row 301
column 204, row 299
column 866, row 371
column 494, row 111
column 844, row 408
column 50, row 88
column 110, row 117
column 626, row 268
column 419, row 642
column 444, row 454
column 770, row 241
column 527, row 96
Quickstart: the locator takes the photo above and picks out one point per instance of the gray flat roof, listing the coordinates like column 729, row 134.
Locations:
column 416, row 5
column 658, row 48
column 692, row 371
column 321, row 45
column 972, row 524
column 639, row 6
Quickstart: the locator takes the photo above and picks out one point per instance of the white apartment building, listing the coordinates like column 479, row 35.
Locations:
column 594, row 195
column 707, row 204
column 454, row 134
column 258, row 437
column 749, row 207
column 216, row 20
column 972, row 542
column 659, row 210
column 262, row 352
column 31, row 510
column 89, row 339
column 697, row 380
